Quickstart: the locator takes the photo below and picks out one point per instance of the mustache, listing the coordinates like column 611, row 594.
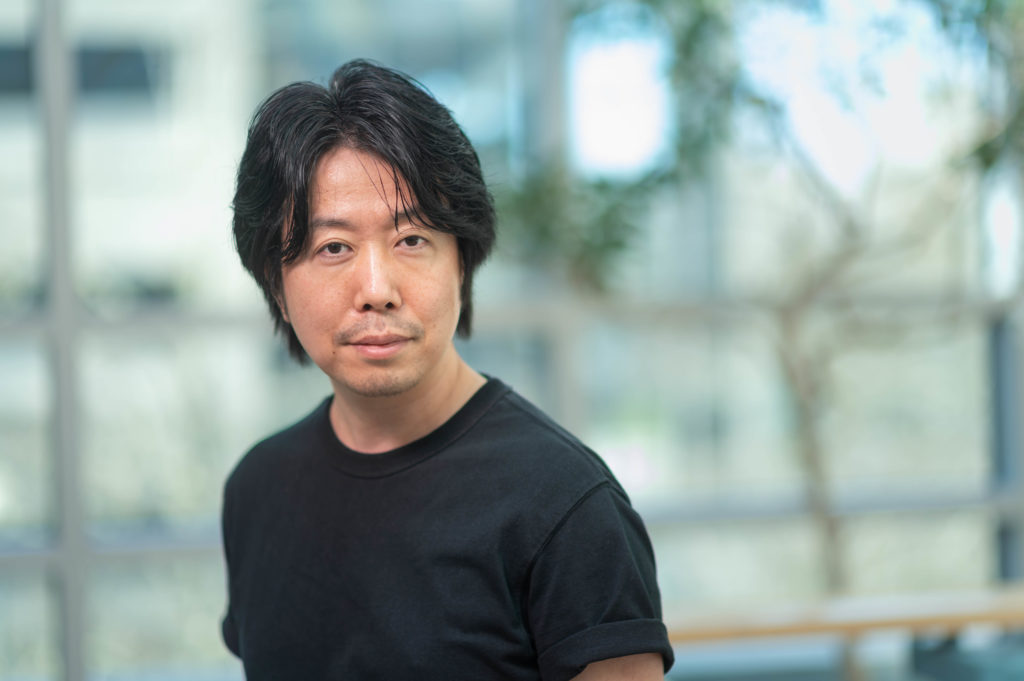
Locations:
column 378, row 327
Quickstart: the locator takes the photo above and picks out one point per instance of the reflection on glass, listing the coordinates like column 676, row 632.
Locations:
column 687, row 412
column 28, row 632
column 165, row 417
column 726, row 565
column 159, row 620
column 26, row 499
column 935, row 552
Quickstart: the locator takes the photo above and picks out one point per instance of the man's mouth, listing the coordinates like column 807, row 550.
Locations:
column 379, row 346
column 378, row 339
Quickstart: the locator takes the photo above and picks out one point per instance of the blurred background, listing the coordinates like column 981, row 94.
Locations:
column 764, row 256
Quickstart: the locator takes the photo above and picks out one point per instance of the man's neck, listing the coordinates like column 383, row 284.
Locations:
column 380, row 424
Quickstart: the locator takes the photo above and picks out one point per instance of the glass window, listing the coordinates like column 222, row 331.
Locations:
column 797, row 293
column 915, row 234
column 520, row 359
column 159, row 126
column 846, row 156
column 942, row 551
column 26, row 466
column 464, row 51
column 15, row 70
column 911, row 414
column 127, row 70
column 165, row 415
column 686, row 411
column 732, row 565
column 618, row 91
column 28, row 628
column 159, row 620
column 21, row 271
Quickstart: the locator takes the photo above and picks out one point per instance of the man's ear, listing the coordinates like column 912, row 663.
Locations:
column 279, row 299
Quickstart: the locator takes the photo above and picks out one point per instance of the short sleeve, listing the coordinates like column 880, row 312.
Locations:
column 593, row 592
column 228, row 628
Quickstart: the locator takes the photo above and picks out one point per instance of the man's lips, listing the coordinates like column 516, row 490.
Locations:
column 378, row 346
column 381, row 339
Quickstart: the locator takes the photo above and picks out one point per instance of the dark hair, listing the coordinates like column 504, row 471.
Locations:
column 369, row 108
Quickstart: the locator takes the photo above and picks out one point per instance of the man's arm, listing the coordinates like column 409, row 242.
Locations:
column 643, row 667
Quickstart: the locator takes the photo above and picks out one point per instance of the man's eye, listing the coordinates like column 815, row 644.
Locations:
column 334, row 248
column 414, row 240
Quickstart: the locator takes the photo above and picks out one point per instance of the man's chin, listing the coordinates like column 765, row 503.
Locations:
column 384, row 384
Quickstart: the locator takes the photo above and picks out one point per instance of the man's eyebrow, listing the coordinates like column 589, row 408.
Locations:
column 408, row 216
column 402, row 216
column 317, row 223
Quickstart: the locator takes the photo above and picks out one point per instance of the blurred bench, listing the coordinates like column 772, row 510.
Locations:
column 851, row 618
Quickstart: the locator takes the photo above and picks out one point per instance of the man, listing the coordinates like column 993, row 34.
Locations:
column 424, row 521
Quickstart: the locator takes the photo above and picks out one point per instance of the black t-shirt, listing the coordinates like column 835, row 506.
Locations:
column 496, row 547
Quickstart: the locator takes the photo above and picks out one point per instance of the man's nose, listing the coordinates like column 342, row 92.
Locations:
column 376, row 281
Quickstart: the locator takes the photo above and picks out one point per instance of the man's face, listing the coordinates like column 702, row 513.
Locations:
column 375, row 307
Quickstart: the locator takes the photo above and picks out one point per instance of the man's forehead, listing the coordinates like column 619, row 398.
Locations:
column 348, row 166
column 345, row 170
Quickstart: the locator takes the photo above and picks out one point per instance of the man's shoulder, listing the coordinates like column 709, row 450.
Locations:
column 519, row 418
column 523, row 435
column 269, row 455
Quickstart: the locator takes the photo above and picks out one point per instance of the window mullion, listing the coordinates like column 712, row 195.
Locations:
column 54, row 82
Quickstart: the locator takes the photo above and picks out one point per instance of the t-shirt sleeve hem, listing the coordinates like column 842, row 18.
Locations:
column 567, row 658
column 229, row 634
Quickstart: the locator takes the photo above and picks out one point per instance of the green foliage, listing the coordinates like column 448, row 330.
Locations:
column 992, row 28
column 563, row 222
column 559, row 220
